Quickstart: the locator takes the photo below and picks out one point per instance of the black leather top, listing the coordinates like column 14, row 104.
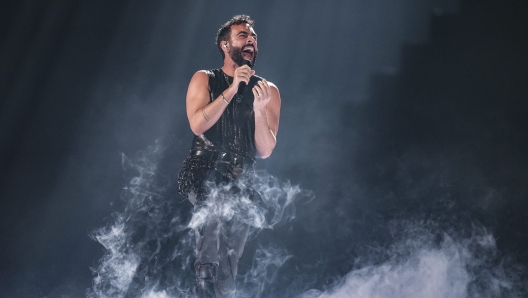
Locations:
column 235, row 130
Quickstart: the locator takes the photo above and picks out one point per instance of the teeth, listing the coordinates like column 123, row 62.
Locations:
column 248, row 49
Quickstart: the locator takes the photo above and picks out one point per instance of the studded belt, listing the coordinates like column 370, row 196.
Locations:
column 227, row 157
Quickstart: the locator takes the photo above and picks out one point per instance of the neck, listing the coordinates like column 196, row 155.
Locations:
column 229, row 67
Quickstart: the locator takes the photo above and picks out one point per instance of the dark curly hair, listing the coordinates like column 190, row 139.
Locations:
column 225, row 31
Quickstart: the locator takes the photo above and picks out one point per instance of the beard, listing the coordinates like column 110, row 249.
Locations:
column 236, row 56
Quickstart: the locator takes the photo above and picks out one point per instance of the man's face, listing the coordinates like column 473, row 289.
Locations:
column 243, row 44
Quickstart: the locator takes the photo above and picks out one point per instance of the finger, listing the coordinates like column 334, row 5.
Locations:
column 255, row 93
column 263, row 85
column 249, row 72
column 266, row 83
column 264, row 88
column 244, row 77
column 258, row 90
column 245, row 68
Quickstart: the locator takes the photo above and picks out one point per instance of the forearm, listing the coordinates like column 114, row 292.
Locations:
column 206, row 116
column 265, row 139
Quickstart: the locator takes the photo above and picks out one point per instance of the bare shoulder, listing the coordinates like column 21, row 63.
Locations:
column 199, row 82
column 272, row 85
column 198, row 91
column 200, row 75
column 275, row 92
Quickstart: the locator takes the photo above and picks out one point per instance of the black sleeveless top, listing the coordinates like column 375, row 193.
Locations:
column 235, row 130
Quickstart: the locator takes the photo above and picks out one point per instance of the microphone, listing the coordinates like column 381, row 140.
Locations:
column 242, row 86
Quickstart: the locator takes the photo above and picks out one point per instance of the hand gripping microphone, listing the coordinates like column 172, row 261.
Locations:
column 242, row 86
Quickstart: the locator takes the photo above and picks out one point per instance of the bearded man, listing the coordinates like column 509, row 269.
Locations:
column 234, row 116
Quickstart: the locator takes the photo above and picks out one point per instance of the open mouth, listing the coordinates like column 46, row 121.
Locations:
column 248, row 53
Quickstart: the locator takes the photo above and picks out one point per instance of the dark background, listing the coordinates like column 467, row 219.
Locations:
column 391, row 110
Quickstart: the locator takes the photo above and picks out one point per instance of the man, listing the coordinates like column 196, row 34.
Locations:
column 232, row 127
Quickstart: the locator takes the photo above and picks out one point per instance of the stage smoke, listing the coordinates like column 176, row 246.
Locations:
column 149, row 247
column 427, row 262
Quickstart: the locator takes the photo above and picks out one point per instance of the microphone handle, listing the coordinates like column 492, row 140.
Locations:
column 241, row 88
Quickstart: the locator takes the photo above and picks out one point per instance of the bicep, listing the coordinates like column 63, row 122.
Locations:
column 197, row 93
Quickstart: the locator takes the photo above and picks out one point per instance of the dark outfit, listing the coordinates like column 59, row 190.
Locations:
column 223, row 156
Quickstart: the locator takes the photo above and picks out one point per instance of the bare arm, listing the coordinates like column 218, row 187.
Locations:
column 201, row 113
column 267, row 114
